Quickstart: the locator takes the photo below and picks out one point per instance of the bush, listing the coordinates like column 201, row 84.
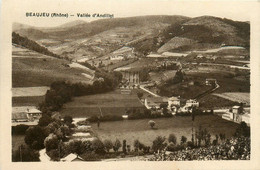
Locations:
column 172, row 139
column 117, row 145
column 159, row 143
column 98, row 146
column 151, row 123
column 183, row 139
column 51, row 142
column 108, row 145
column 90, row 156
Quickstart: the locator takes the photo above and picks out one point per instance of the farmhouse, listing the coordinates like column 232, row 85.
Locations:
column 174, row 101
column 155, row 102
column 131, row 76
column 117, row 57
column 23, row 114
column 210, row 82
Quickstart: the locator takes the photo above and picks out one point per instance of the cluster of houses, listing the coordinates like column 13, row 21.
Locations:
column 174, row 104
column 28, row 115
column 122, row 53
column 238, row 114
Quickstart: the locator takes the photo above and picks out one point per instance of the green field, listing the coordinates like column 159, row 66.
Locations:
column 113, row 103
column 131, row 130
column 29, row 72
column 27, row 101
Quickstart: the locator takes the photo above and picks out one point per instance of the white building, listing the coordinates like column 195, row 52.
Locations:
column 192, row 103
column 117, row 57
column 174, row 101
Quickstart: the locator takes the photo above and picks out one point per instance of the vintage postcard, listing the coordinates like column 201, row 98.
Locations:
column 129, row 84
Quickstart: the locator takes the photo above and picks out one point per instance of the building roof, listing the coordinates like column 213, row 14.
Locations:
column 157, row 99
column 71, row 157
column 236, row 107
column 81, row 134
column 22, row 115
column 24, row 109
column 174, row 98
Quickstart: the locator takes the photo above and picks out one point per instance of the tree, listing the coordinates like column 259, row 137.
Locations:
column 117, row 145
column 172, row 139
column 159, row 143
column 108, row 145
column 124, row 146
column 79, row 147
column 98, row 146
column 51, row 142
column 45, row 120
column 136, row 145
column 151, row 123
column 34, row 137
column 68, row 120
column 183, row 139
column 242, row 130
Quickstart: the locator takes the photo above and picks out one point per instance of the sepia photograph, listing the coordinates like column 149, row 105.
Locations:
column 155, row 84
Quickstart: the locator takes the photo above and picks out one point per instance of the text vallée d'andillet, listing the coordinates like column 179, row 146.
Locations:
column 67, row 15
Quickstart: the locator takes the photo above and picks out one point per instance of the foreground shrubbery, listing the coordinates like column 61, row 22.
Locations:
column 233, row 149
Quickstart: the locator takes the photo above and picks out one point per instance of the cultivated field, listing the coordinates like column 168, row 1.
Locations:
column 40, row 72
column 236, row 97
column 131, row 130
column 162, row 76
column 29, row 91
column 113, row 103
column 214, row 102
column 27, row 101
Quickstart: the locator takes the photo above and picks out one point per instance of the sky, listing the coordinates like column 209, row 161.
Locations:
column 240, row 11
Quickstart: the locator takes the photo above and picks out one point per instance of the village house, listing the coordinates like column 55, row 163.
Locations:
column 174, row 101
column 131, row 77
column 210, row 82
column 155, row 102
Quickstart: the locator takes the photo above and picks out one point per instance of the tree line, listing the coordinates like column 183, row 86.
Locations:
column 30, row 44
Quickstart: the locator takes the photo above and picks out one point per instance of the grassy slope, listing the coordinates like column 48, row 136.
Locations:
column 29, row 72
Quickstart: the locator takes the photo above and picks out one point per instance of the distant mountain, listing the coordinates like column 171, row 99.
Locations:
column 205, row 32
column 73, row 23
column 145, row 33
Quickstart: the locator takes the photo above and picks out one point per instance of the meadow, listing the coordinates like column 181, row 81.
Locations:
column 113, row 103
column 131, row 130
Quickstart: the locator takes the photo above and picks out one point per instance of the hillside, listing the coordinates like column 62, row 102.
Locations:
column 30, row 44
column 205, row 32
column 146, row 34
column 100, row 37
column 30, row 68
